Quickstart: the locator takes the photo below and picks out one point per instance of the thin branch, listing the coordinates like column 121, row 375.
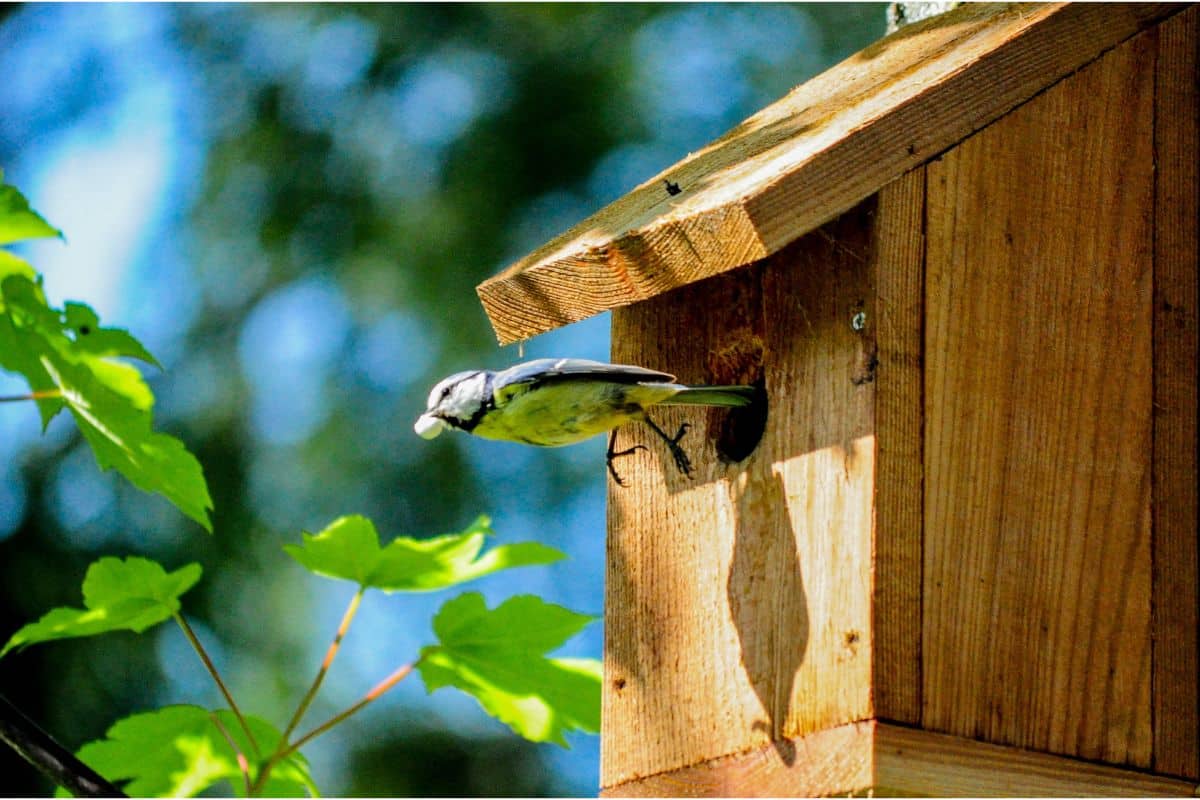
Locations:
column 51, row 758
column 216, row 676
column 381, row 687
column 243, row 764
column 351, row 610
column 44, row 394
column 285, row 751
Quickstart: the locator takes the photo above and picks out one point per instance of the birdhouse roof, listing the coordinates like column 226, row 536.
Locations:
column 808, row 157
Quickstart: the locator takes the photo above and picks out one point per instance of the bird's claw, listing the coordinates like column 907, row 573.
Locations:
column 613, row 454
column 681, row 460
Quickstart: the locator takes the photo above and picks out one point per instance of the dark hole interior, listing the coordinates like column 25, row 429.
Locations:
column 743, row 427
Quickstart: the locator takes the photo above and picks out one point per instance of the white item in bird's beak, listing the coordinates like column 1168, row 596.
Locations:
column 428, row 426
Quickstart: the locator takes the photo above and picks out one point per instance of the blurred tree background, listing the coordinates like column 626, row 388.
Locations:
column 291, row 206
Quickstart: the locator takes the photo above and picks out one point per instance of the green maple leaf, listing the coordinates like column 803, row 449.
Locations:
column 120, row 436
column 34, row 329
column 18, row 221
column 93, row 340
column 178, row 751
column 70, row 352
column 14, row 265
column 18, row 353
column 118, row 594
column 67, row 358
column 499, row 657
column 349, row 549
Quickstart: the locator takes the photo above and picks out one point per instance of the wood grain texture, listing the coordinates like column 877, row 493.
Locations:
column 871, row 758
column 1176, row 672
column 738, row 602
column 839, row 760
column 896, row 323
column 1038, row 419
column 804, row 160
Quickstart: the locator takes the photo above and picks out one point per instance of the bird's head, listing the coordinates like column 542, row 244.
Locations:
column 456, row 402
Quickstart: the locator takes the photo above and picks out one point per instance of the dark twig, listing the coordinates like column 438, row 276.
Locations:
column 52, row 759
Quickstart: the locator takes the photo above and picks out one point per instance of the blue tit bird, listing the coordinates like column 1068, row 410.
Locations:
column 551, row 402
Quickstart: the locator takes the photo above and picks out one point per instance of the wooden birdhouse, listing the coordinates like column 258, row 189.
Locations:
column 958, row 553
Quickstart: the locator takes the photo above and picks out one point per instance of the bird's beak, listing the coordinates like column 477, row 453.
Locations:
column 428, row 426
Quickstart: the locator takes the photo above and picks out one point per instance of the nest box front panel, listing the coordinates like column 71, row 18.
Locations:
column 733, row 596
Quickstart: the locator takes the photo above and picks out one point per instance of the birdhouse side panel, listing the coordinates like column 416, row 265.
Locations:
column 896, row 326
column 1037, row 584
column 1176, row 667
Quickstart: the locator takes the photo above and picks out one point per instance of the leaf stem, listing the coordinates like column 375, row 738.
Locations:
column 243, row 764
column 43, row 394
column 351, row 610
column 216, row 676
column 285, row 749
column 379, row 688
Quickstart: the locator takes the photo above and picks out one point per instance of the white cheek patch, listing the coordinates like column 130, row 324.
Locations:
column 465, row 398
column 428, row 427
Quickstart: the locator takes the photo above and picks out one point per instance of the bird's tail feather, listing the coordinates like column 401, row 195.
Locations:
column 729, row 396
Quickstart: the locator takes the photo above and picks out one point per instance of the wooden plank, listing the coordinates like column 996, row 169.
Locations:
column 1038, row 419
column 834, row 761
column 738, row 602
column 914, row 761
column 1176, row 673
column 809, row 157
column 898, row 311
column 871, row 758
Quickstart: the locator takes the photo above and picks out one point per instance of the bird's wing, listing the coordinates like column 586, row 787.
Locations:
column 522, row 377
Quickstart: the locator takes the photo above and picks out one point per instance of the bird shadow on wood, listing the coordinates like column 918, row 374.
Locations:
column 767, row 601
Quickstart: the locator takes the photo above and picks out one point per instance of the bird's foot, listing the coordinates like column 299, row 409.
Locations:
column 681, row 460
column 614, row 454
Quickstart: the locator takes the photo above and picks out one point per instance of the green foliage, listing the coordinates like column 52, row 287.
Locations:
column 67, row 358
column 131, row 594
column 349, row 549
column 498, row 656
column 179, row 751
column 18, row 221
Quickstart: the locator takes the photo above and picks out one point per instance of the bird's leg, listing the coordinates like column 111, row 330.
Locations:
column 613, row 453
column 681, row 459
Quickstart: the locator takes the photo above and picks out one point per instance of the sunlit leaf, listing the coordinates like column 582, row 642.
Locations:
column 19, row 353
column 13, row 265
column 179, row 751
column 94, row 340
column 70, row 354
column 498, row 656
column 131, row 594
column 349, row 549
column 18, row 221
column 120, row 436
column 25, row 303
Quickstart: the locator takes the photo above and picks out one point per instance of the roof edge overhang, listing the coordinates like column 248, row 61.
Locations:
column 809, row 157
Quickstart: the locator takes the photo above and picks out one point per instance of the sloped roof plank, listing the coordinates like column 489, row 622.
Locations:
column 808, row 157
